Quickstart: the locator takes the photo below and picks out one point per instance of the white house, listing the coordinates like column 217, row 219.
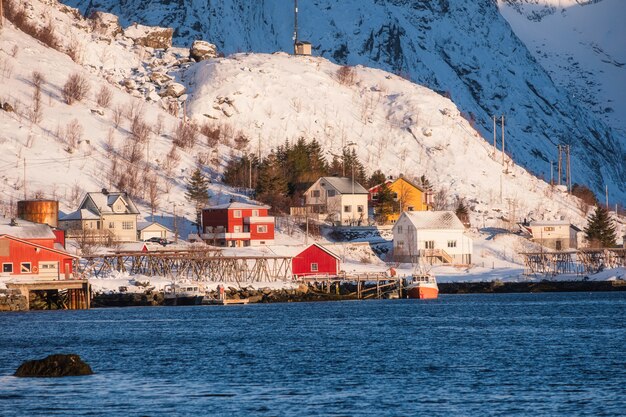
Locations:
column 147, row 230
column 433, row 236
column 103, row 215
column 338, row 199
column 557, row 235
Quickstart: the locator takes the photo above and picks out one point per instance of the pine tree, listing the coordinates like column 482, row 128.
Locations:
column 600, row 230
column 377, row 178
column 272, row 186
column 384, row 204
column 462, row 213
column 198, row 193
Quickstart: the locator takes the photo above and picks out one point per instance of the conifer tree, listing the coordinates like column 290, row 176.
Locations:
column 384, row 204
column 377, row 178
column 198, row 193
column 600, row 230
column 272, row 186
column 462, row 213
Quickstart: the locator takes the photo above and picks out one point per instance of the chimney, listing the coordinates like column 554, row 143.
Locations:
column 13, row 222
column 105, row 191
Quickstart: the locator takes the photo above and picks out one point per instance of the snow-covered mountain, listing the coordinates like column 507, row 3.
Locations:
column 582, row 44
column 465, row 50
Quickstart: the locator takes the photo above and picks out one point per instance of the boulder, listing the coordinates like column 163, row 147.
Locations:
column 7, row 107
column 160, row 78
column 201, row 50
column 54, row 366
column 105, row 24
column 150, row 36
column 174, row 90
column 302, row 289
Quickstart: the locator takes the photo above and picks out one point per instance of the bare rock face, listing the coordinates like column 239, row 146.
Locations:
column 150, row 36
column 201, row 50
column 105, row 24
column 54, row 366
column 174, row 90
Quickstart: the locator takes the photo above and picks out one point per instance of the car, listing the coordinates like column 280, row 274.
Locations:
column 159, row 240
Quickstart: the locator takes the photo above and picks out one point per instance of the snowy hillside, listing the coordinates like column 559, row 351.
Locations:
column 466, row 50
column 582, row 44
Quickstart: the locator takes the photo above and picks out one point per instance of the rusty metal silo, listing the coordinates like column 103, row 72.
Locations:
column 39, row 211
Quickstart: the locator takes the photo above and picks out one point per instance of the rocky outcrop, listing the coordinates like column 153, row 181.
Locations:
column 174, row 90
column 201, row 50
column 150, row 36
column 13, row 300
column 105, row 24
column 54, row 366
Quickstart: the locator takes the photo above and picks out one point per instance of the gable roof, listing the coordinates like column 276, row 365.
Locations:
column 333, row 254
column 27, row 242
column 554, row 223
column 390, row 182
column 144, row 225
column 103, row 203
column 343, row 185
column 433, row 220
column 237, row 205
column 24, row 229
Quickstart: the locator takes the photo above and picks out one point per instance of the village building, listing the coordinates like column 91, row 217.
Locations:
column 237, row 225
column 431, row 237
column 149, row 230
column 406, row 195
column 315, row 260
column 33, row 251
column 340, row 200
column 103, row 216
column 557, row 235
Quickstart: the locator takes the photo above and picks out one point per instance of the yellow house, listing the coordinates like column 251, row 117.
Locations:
column 406, row 197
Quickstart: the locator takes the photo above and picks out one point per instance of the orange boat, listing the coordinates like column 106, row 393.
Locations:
column 422, row 287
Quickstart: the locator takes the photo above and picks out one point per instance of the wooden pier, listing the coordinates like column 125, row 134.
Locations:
column 384, row 286
column 199, row 265
column 76, row 292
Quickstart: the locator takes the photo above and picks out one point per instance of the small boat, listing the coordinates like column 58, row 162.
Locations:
column 422, row 287
column 183, row 294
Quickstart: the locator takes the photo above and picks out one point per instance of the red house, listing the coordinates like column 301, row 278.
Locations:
column 32, row 250
column 315, row 260
column 237, row 224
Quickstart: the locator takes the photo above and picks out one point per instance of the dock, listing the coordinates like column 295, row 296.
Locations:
column 76, row 292
column 224, row 302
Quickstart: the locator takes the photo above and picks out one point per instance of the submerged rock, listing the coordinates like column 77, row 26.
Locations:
column 54, row 366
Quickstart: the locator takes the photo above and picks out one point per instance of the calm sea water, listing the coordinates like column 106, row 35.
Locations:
column 470, row 355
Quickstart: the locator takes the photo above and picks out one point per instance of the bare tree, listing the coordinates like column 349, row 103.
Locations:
column 103, row 96
column 75, row 89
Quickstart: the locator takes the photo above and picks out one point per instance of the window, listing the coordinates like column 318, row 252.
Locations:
column 111, row 225
column 208, row 229
column 237, row 214
column 127, row 225
column 399, row 244
column 25, row 268
column 359, row 209
column 411, row 208
column 399, row 229
column 347, row 209
column 237, row 229
column 315, row 193
column 261, row 228
column 8, row 268
column 548, row 229
column 330, row 193
column 314, row 267
column 395, row 196
column 255, row 213
column 429, row 244
column 452, row 243
column 375, row 196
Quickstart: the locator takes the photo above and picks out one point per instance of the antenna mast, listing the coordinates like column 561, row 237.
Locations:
column 295, row 25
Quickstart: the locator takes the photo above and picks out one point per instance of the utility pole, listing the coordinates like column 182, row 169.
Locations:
column 175, row 226
column 295, row 27
column 502, row 140
column 568, row 173
column 551, row 172
column 560, row 164
column 1, row 14
column 24, row 169
column 606, row 193
column 494, row 136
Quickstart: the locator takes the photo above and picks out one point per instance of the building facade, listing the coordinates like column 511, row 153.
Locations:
column 315, row 260
column 431, row 237
column 237, row 225
column 340, row 200
column 406, row 197
column 557, row 235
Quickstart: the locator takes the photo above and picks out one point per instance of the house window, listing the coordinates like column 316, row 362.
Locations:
column 111, row 225
column 411, row 208
column 429, row 244
column 359, row 209
column 452, row 243
column 315, row 193
column 25, row 268
column 8, row 268
column 347, row 209
column 314, row 267
column 261, row 228
column 255, row 213
column 399, row 244
column 548, row 229
column 375, row 196
column 127, row 225
column 399, row 229
column 237, row 214
column 395, row 196
column 237, row 229
column 208, row 229
column 330, row 193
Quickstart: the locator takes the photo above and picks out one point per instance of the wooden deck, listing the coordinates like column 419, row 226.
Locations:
column 78, row 291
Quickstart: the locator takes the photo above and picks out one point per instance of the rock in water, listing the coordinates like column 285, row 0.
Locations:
column 54, row 366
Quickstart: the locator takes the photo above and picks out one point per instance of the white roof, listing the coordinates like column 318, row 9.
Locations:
column 143, row 225
column 344, row 185
column 434, row 220
column 237, row 205
column 25, row 229
column 550, row 223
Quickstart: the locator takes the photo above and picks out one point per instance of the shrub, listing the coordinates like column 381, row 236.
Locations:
column 346, row 75
column 186, row 135
column 103, row 96
column 75, row 89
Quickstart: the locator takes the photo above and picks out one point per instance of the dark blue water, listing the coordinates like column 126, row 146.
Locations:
column 471, row 355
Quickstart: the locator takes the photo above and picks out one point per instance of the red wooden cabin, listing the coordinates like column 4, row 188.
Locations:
column 32, row 259
column 315, row 260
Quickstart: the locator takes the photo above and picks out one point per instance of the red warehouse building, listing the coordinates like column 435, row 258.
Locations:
column 315, row 260
column 237, row 224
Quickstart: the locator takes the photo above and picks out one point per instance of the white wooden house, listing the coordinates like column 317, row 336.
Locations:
column 431, row 237
column 557, row 235
column 338, row 199
column 147, row 230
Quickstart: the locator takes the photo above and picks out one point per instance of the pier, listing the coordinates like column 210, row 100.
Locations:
column 366, row 285
column 76, row 293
